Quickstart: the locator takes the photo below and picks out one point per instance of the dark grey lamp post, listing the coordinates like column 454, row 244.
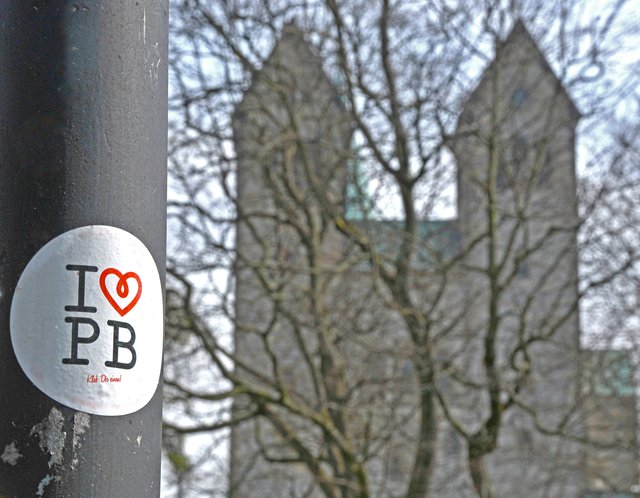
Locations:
column 83, row 92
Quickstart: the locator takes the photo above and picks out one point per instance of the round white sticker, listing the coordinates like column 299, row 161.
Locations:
column 86, row 321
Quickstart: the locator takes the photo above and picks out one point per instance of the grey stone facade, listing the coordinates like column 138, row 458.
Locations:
column 514, row 149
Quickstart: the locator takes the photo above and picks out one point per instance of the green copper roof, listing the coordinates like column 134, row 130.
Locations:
column 608, row 373
column 437, row 240
column 358, row 202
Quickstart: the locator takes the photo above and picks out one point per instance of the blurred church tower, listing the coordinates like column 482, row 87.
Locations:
column 515, row 153
column 292, row 139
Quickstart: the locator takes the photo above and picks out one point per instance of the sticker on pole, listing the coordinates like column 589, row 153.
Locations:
column 86, row 321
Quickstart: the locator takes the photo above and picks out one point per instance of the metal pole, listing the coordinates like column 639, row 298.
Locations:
column 83, row 92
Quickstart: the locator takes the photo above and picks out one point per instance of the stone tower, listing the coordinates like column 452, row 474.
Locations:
column 514, row 150
column 292, row 138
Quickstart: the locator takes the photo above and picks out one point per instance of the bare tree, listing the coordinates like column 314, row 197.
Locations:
column 354, row 347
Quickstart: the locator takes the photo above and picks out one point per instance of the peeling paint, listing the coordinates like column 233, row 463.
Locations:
column 11, row 455
column 52, row 437
column 43, row 484
column 80, row 425
column 139, row 440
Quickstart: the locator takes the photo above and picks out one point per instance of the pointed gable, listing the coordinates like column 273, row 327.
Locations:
column 291, row 122
column 292, row 75
column 524, row 74
column 521, row 37
column 515, row 139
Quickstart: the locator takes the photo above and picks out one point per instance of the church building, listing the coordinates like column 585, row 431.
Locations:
column 474, row 368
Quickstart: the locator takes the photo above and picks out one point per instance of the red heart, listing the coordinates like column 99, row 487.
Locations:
column 122, row 289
